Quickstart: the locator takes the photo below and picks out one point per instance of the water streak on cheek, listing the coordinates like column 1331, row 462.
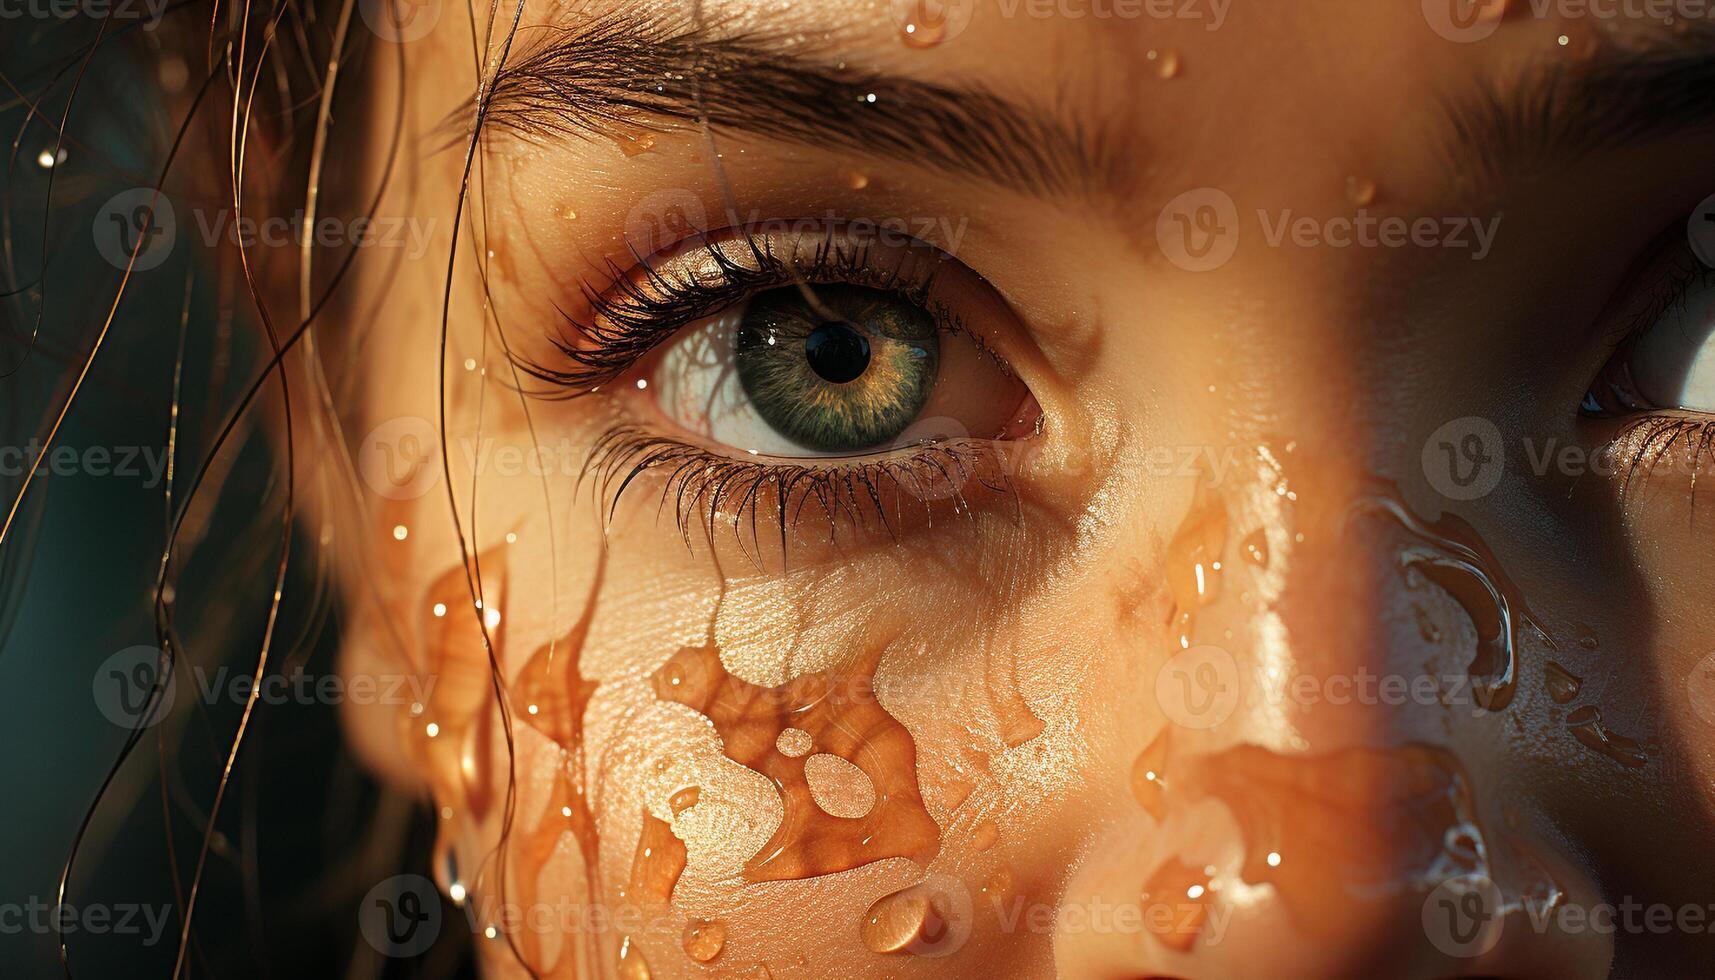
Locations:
column 1018, row 724
column 1194, row 567
column 1450, row 554
column 551, row 696
column 657, row 865
column 1586, row 726
column 838, row 709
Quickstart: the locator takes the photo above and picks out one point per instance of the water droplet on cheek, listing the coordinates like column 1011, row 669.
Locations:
column 1562, row 685
column 899, row 921
column 984, row 835
column 1360, row 191
column 1176, row 902
column 1256, row 548
column 630, row 964
column 1147, row 777
column 704, row 940
column 1166, row 63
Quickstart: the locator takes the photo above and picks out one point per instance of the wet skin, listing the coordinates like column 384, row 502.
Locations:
column 1130, row 714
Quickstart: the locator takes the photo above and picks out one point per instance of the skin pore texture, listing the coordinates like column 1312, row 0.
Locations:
column 978, row 742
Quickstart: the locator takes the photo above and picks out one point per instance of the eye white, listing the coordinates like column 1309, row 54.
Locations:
column 697, row 385
column 1673, row 362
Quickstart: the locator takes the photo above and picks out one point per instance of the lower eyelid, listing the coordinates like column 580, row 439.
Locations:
column 800, row 504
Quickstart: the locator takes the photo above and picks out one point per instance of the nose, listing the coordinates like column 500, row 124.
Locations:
column 1323, row 800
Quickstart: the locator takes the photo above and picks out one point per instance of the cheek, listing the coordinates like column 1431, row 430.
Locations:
column 717, row 777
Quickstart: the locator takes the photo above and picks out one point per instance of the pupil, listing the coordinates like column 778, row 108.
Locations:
column 837, row 353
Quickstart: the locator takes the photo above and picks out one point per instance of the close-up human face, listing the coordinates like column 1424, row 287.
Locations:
column 1102, row 489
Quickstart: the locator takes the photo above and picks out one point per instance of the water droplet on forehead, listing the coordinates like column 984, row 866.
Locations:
column 1167, row 64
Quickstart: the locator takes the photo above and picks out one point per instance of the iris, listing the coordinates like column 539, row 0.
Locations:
column 843, row 369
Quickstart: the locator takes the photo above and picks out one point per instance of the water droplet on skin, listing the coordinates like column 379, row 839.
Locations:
column 630, row 964
column 984, row 835
column 1148, row 771
column 1167, row 66
column 926, row 26
column 1562, row 685
column 1256, row 548
column 1186, row 892
column 1360, row 191
column 1193, row 556
column 634, row 146
column 1454, row 557
column 794, row 742
column 684, row 799
column 1587, row 638
column 898, row 922
column 1586, row 726
column 704, row 940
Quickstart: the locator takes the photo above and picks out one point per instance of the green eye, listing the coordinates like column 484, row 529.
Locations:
column 845, row 372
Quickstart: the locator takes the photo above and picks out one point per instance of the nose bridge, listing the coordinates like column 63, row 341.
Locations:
column 1309, row 605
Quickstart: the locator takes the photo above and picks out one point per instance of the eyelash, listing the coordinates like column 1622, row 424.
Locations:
column 640, row 311
column 631, row 318
column 1639, row 438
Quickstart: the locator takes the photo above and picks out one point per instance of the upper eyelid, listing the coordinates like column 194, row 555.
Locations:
column 641, row 307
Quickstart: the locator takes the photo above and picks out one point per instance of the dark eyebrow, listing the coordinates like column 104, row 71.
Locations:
column 633, row 74
column 1564, row 111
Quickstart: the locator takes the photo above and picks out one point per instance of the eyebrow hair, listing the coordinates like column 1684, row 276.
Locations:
column 629, row 73
column 1561, row 112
